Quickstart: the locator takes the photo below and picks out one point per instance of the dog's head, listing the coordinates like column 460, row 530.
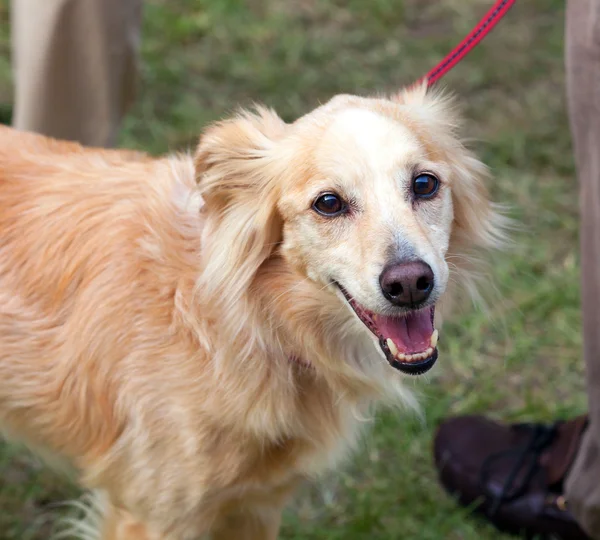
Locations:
column 365, row 198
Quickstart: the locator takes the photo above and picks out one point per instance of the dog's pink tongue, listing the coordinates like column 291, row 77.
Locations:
column 411, row 334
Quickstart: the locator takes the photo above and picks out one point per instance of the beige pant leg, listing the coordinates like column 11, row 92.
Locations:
column 583, row 89
column 74, row 66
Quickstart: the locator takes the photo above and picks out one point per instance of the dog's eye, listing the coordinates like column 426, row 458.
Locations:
column 425, row 185
column 329, row 204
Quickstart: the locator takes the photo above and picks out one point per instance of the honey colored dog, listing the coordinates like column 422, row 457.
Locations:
column 194, row 337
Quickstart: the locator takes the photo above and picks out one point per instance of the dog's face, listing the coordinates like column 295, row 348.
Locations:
column 367, row 198
column 371, row 219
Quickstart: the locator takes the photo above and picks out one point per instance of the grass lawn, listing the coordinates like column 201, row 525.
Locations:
column 521, row 359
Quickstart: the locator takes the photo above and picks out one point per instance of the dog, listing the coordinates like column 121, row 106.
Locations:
column 195, row 335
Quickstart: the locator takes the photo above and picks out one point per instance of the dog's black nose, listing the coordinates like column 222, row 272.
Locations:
column 408, row 283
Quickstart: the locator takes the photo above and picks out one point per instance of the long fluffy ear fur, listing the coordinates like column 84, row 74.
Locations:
column 234, row 164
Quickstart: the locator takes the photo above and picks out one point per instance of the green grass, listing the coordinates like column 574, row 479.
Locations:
column 521, row 360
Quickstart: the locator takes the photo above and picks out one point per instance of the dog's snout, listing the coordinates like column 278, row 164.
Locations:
column 408, row 283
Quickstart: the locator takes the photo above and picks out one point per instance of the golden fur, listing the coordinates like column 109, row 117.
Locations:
column 168, row 330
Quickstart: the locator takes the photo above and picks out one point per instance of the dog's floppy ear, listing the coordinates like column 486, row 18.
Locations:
column 235, row 171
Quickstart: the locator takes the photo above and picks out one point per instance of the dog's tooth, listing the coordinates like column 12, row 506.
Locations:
column 402, row 357
column 429, row 352
column 434, row 338
column 392, row 346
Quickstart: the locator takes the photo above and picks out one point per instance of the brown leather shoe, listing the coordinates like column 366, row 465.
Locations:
column 512, row 474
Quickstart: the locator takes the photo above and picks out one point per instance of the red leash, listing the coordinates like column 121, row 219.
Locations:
column 491, row 18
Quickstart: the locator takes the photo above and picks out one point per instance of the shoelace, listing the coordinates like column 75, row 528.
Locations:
column 526, row 459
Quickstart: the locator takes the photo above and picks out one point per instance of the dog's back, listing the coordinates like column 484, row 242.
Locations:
column 78, row 280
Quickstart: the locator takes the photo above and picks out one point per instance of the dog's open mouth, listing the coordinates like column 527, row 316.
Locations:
column 409, row 342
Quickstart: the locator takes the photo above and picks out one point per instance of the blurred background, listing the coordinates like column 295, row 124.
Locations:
column 519, row 360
